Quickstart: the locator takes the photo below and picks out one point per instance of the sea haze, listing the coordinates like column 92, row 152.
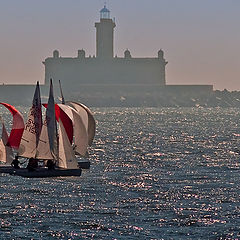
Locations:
column 169, row 173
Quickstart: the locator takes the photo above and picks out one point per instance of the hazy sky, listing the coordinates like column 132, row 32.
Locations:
column 200, row 38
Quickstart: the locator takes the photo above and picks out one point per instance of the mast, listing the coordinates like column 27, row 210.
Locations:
column 60, row 86
column 51, row 123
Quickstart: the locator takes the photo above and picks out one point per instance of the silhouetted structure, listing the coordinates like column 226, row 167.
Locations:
column 105, row 80
column 104, row 69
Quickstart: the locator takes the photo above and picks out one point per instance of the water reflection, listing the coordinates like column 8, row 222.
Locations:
column 156, row 173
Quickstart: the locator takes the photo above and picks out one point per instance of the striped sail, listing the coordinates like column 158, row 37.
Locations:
column 64, row 112
column 79, row 129
column 17, row 126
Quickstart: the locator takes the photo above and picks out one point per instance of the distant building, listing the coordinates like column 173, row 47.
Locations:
column 104, row 69
column 108, row 80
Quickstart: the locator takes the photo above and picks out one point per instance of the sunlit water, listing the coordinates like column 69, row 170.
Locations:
column 155, row 174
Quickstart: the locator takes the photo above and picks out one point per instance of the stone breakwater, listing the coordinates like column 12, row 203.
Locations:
column 109, row 96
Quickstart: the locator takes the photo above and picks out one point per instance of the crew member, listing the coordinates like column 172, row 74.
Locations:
column 15, row 163
column 50, row 165
column 32, row 164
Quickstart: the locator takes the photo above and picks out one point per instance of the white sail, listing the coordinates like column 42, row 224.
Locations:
column 3, row 156
column 47, row 145
column 6, row 153
column 87, row 118
column 79, row 129
column 66, row 156
column 4, row 133
column 33, row 126
column 43, row 148
column 80, row 134
column 82, row 112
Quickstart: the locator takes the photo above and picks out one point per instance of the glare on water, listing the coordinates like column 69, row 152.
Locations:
column 156, row 174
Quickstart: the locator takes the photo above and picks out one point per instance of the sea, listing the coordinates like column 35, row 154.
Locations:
column 156, row 173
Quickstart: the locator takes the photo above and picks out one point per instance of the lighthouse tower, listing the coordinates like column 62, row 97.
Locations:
column 104, row 35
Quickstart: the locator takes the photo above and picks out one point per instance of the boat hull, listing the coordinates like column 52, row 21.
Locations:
column 7, row 169
column 44, row 173
column 84, row 164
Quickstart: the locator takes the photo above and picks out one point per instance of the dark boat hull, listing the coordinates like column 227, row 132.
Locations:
column 6, row 169
column 84, row 164
column 44, row 173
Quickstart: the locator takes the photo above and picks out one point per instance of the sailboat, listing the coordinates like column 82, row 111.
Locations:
column 90, row 126
column 80, row 140
column 17, row 127
column 52, row 144
column 84, row 127
column 23, row 139
column 9, row 143
column 48, row 140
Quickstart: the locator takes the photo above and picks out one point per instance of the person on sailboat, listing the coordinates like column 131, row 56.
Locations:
column 32, row 164
column 50, row 165
column 15, row 163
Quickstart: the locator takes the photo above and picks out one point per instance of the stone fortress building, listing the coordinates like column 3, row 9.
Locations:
column 106, row 73
column 105, row 79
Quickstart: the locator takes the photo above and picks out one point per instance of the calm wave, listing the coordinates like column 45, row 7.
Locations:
column 155, row 174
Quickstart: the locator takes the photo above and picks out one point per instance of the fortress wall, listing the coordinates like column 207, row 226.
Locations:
column 110, row 94
column 189, row 89
column 136, row 94
column 73, row 72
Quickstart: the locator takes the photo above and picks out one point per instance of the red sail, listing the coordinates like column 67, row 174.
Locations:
column 17, row 126
column 66, row 121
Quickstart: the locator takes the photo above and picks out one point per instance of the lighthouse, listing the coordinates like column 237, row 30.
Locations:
column 104, row 35
column 107, row 76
